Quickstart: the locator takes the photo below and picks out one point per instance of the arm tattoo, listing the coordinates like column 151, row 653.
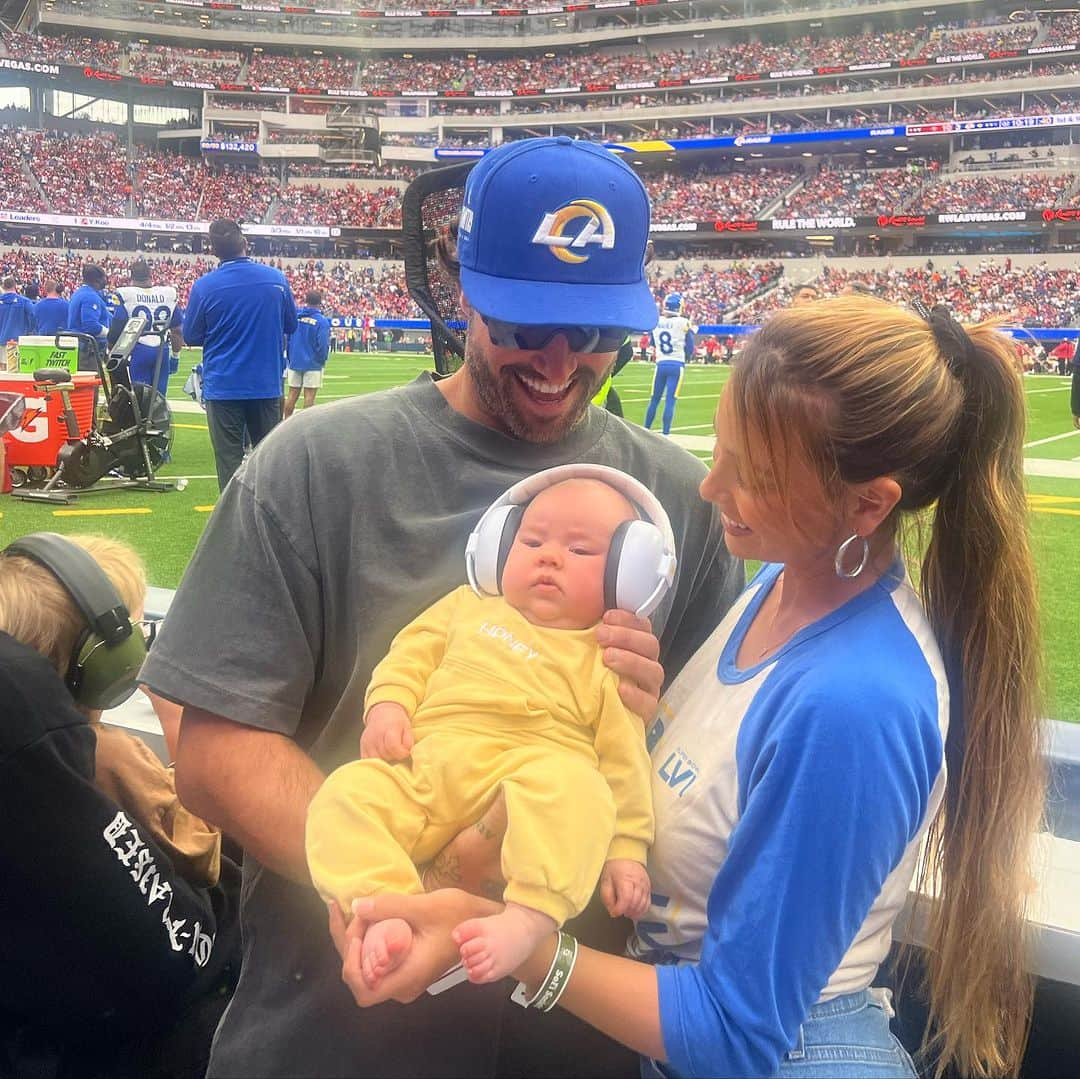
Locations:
column 485, row 831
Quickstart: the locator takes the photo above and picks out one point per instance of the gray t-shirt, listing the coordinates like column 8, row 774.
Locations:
column 348, row 522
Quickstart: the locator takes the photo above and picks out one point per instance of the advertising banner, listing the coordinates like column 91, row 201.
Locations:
column 143, row 224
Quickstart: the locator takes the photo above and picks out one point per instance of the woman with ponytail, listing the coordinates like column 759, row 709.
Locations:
column 852, row 721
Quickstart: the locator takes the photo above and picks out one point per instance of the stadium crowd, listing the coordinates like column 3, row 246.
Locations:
column 710, row 294
column 266, row 69
column 18, row 189
column 244, row 103
column 1018, row 191
column 704, row 197
column 312, row 204
column 744, row 292
column 951, row 42
column 1038, row 295
column 1064, row 29
column 184, row 62
column 80, row 174
column 471, row 72
column 357, row 288
column 854, row 191
column 239, row 194
column 356, row 170
column 90, row 174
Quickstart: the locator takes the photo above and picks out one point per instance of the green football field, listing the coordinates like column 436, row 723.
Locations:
column 165, row 527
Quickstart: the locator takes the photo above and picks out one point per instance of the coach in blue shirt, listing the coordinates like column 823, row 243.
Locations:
column 309, row 348
column 88, row 312
column 240, row 313
column 16, row 313
column 51, row 311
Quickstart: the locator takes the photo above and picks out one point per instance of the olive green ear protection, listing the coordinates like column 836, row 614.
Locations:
column 105, row 662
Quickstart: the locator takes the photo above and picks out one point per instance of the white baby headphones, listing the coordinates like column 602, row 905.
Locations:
column 641, row 561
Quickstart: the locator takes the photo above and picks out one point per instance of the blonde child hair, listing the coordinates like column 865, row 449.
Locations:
column 37, row 610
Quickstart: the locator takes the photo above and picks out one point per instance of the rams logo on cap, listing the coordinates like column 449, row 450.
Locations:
column 598, row 228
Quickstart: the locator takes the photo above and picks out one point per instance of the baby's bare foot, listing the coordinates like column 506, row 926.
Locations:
column 491, row 948
column 386, row 944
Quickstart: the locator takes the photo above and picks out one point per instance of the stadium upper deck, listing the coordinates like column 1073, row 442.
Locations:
column 702, row 61
column 775, row 121
column 420, row 26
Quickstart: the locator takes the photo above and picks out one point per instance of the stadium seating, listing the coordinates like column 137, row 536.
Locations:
column 471, row 71
column 705, row 197
column 1026, row 296
column 308, row 204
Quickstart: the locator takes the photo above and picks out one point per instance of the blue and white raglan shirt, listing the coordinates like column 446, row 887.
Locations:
column 791, row 798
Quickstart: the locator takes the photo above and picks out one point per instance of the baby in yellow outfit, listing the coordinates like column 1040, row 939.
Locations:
column 507, row 692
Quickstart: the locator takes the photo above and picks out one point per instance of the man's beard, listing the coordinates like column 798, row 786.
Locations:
column 497, row 396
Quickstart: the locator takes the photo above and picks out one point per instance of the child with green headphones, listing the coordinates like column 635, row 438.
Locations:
column 46, row 611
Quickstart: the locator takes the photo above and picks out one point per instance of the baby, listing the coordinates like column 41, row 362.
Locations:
column 499, row 692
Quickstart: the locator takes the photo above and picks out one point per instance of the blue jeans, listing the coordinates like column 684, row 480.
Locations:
column 847, row 1037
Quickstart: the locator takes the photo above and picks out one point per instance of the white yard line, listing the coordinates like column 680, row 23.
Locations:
column 694, row 442
column 1057, row 470
column 1052, row 438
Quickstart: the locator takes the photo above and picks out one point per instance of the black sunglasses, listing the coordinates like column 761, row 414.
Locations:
column 581, row 339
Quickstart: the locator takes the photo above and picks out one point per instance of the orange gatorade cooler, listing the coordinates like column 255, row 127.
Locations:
column 43, row 431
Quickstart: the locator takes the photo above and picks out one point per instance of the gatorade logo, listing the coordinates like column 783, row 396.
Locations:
column 593, row 226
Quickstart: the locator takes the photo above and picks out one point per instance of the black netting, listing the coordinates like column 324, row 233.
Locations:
column 430, row 210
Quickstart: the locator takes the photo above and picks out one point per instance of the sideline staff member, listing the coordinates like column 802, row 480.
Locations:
column 317, row 555
column 16, row 313
column 240, row 314
column 51, row 311
column 88, row 312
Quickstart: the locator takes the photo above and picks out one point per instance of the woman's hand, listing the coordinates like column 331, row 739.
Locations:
column 431, row 918
column 632, row 652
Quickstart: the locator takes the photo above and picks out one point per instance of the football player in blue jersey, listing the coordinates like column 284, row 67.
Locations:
column 673, row 340
column 158, row 305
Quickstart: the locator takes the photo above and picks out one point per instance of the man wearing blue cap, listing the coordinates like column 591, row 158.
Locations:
column 351, row 519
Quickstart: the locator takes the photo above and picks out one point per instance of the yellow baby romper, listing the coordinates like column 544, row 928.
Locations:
column 496, row 702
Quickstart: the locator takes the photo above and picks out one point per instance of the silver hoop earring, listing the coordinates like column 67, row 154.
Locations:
column 843, row 549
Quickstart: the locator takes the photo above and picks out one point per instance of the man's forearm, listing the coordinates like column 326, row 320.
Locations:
column 255, row 785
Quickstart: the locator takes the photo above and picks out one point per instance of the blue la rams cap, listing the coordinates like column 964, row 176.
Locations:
column 554, row 231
